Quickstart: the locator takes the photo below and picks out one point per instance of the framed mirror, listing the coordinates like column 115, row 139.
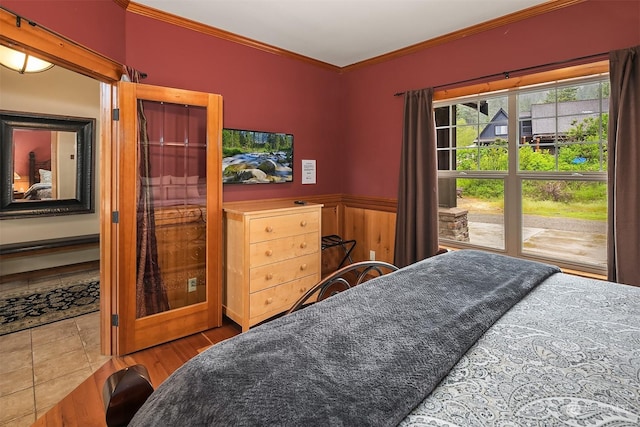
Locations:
column 46, row 165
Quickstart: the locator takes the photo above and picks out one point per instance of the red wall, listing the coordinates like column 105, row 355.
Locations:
column 96, row 24
column 350, row 123
column 30, row 140
column 374, row 116
column 261, row 91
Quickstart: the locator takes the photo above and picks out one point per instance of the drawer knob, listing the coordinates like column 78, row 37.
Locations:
column 303, row 223
column 303, row 290
column 303, row 267
column 269, row 276
column 269, row 300
column 268, row 229
column 268, row 252
column 303, row 245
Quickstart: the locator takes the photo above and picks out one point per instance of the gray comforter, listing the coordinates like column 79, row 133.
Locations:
column 363, row 357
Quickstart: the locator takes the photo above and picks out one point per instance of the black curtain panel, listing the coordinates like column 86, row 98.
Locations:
column 624, row 167
column 151, row 294
column 417, row 213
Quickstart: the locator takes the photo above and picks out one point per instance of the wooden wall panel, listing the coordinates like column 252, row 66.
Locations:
column 370, row 221
column 330, row 222
column 330, row 225
column 373, row 230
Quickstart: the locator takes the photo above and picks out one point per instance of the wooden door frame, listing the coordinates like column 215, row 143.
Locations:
column 61, row 51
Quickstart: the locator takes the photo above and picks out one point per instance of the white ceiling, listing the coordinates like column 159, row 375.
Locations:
column 340, row 32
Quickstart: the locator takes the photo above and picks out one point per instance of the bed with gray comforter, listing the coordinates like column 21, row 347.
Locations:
column 462, row 339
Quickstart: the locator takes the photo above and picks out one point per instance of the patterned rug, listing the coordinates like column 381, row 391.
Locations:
column 25, row 309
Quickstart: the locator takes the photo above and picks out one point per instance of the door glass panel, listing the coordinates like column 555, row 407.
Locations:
column 565, row 220
column 472, row 211
column 171, row 208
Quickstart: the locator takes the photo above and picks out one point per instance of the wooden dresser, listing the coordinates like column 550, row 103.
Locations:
column 272, row 256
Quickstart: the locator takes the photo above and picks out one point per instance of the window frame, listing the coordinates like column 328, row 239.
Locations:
column 513, row 178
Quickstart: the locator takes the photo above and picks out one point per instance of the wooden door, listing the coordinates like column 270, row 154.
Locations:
column 168, row 223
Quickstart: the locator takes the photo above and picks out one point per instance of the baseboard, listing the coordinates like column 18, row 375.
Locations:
column 29, row 275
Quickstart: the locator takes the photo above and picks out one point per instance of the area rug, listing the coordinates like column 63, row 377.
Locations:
column 23, row 309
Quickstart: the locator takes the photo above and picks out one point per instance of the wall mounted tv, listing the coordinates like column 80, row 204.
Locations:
column 255, row 157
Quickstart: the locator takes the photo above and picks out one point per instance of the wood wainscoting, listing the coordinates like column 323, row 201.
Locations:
column 370, row 221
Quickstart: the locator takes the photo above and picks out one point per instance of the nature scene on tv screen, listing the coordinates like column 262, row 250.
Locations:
column 254, row 157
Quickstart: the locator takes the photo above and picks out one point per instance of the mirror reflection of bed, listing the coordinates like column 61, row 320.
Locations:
column 44, row 165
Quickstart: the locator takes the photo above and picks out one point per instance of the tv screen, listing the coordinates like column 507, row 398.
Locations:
column 255, row 157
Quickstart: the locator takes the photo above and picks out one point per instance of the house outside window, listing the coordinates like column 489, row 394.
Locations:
column 538, row 190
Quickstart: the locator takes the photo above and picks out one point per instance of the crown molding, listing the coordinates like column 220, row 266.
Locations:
column 122, row 3
column 222, row 34
column 530, row 12
column 521, row 15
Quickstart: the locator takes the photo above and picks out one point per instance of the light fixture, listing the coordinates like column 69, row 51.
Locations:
column 22, row 62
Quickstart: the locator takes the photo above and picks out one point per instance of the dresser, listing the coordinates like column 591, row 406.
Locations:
column 272, row 257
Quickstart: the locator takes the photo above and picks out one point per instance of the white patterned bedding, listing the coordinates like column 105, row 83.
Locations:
column 39, row 191
column 567, row 355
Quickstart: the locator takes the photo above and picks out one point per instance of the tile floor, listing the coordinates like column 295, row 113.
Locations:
column 39, row 366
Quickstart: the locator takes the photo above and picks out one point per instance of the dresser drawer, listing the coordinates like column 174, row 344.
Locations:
column 277, row 299
column 276, row 273
column 271, row 251
column 275, row 227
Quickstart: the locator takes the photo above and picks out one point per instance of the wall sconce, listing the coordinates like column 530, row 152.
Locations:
column 22, row 62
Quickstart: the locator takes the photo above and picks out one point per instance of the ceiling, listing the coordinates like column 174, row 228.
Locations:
column 340, row 32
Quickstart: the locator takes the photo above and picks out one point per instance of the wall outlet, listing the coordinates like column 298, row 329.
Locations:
column 372, row 255
column 192, row 284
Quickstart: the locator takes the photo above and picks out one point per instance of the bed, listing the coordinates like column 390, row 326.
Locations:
column 40, row 179
column 467, row 338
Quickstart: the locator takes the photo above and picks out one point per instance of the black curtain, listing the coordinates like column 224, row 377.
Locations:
column 417, row 213
column 151, row 294
column 624, row 167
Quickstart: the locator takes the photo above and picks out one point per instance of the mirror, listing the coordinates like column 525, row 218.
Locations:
column 46, row 164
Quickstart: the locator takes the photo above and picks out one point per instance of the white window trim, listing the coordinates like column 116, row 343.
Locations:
column 513, row 177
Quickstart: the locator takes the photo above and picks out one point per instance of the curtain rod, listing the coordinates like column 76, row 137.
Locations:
column 507, row 74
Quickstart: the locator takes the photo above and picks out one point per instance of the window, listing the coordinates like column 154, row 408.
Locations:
column 523, row 171
column 501, row 129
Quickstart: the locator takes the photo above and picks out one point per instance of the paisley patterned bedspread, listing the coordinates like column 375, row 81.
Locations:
column 567, row 355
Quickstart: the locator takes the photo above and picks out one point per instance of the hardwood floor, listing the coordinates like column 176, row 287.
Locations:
column 84, row 405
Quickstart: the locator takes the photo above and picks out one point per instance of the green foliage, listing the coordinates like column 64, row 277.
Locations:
column 532, row 160
column 592, row 129
column 588, row 192
column 584, row 154
column 490, row 189
column 588, row 154
column 231, row 151
column 494, row 158
column 594, row 210
column 556, row 191
column 583, row 150
column 465, row 135
column 563, row 95
column 239, row 141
